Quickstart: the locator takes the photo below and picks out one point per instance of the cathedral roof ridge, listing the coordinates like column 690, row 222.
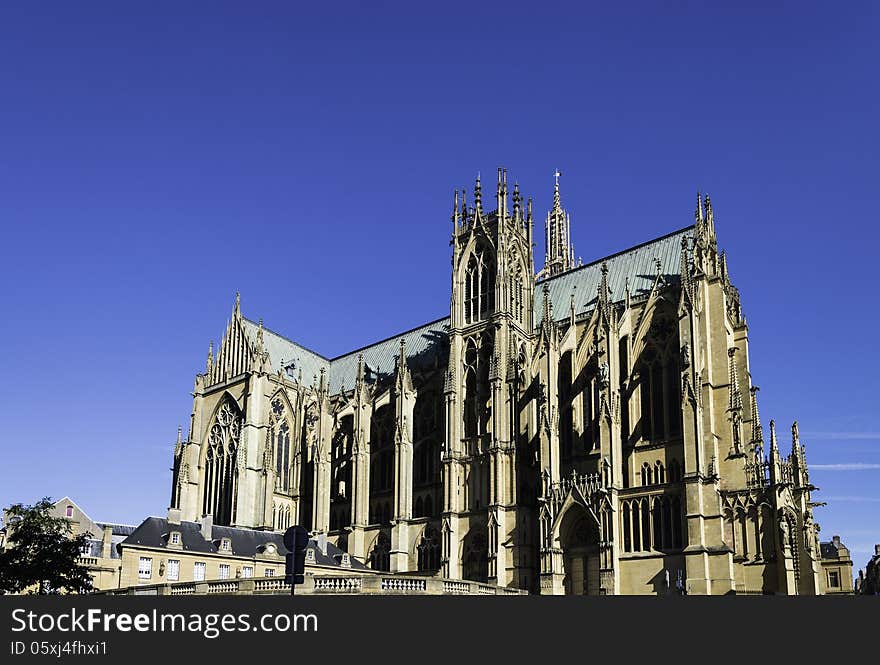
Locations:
column 287, row 339
column 389, row 338
column 595, row 262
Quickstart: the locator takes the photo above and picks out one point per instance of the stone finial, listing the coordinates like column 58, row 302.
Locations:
column 478, row 193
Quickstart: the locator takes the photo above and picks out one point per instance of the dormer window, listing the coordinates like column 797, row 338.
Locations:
column 310, row 555
column 175, row 538
column 270, row 548
column 225, row 545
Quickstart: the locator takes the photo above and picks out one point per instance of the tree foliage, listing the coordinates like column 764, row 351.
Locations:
column 42, row 554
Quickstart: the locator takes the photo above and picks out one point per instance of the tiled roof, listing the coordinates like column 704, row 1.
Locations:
column 284, row 351
column 154, row 532
column 118, row 529
column 428, row 344
column 424, row 346
column 638, row 264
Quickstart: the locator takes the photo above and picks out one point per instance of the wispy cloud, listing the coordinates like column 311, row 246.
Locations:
column 855, row 499
column 841, row 436
column 852, row 466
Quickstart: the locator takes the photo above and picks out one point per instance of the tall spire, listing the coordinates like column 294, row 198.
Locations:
column 455, row 216
column 559, row 255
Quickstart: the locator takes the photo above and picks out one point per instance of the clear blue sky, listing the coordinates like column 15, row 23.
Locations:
column 155, row 158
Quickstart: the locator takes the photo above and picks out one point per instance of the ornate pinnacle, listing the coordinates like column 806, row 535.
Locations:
column 603, row 287
column 548, row 306
column 360, row 370
column 795, row 438
column 698, row 213
column 237, row 309
column 401, row 361
column 478, row 194
column 757, row 430
column 735, row 394
column 209, row 365
column 774, row 447
column 517, row 202
column 557, row 203
column 455, row 213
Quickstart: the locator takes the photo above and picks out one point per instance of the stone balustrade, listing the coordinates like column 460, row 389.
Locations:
column 366, row 584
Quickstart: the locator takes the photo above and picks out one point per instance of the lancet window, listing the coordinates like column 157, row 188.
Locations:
column 221, row 458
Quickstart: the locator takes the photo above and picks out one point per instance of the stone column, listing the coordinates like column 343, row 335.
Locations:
column 360, row 456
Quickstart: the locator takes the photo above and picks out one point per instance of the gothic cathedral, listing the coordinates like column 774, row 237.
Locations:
column 589, row 429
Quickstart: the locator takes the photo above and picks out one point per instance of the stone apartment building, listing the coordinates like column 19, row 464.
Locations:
column 837, row 567
column 582, row 429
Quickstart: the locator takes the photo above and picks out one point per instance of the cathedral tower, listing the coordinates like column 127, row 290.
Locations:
column 490, row 326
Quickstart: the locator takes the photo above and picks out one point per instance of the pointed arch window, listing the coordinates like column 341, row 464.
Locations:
column 429, row 550
column 659, row 389
column 221, row 457
column 279, row 431
column 479, row 286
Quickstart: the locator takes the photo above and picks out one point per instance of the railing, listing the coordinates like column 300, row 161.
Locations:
column 334, row 583
column 270, row 584
column 88, row 561
column 369, row 583
column 786, row 475
column 185, row 589
column 223, row 587
column 404, row 584
column 757, row 474
column 453, row 588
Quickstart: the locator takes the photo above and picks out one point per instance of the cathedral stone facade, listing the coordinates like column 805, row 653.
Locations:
column 589, row 429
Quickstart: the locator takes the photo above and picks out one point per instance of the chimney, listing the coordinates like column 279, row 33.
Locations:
column 106, row 542
column 173, row 516
column 207, row 526
column 876, row 550
column 321, row 539
column 836, row 541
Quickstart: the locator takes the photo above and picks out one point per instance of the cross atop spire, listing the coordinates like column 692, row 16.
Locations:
column 559, row 255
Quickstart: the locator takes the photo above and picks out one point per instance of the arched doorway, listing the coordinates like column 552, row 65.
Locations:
column 579, row 538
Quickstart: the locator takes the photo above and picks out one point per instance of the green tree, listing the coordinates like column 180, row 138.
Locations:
column 42, row 554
